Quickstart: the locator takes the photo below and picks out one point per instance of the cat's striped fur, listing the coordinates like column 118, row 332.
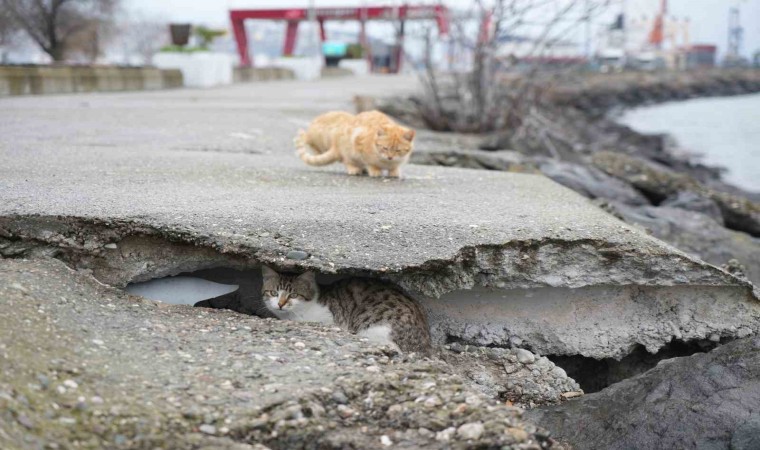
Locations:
column 359, row 305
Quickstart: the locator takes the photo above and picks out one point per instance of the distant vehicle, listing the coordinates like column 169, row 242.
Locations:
column 647, row 61
column 611, row 60
column 334, row 51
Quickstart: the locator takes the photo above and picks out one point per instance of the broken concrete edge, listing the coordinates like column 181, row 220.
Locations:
column 92, row 243
column 109, row 400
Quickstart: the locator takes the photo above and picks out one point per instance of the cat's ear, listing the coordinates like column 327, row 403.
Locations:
column 309, row 277
column 267, row 272
column 409, row 134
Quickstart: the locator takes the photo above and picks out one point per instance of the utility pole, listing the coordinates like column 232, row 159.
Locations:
column 735, row 33
column 587, row 48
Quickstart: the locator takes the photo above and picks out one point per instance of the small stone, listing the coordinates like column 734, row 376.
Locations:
column 394, row 411
column 339, row 397
column 25, row 421
column 373, row 369
column 207, row 429
column 111, row 246
column 569, row 395
column 518, row 434
column 345, row 412
column 386, row 441
column 472, row 430
column 97, row 400
column 44, row 381
column 473, row 400
column 18, row 287
column 298, row 255
column 525, row 357
column 424, row 432
column 119, row 439
column 98, row 342
column 445, row 435
column 432, row 402
column 70, row 384
column 67, row 420
column 299, row 345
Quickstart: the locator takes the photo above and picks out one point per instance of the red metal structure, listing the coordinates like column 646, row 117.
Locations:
column 657, row 35
column 293, row 16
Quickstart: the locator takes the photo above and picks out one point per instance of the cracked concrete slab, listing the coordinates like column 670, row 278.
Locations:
column 86, row 365
column 197, row 179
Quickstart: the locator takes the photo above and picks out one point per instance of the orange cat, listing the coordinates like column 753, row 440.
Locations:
column 368, row 141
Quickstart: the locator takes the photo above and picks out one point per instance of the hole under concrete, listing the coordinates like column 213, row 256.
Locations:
column 593, row 375
column 217, row 288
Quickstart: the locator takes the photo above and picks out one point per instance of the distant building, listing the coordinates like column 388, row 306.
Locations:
column 697, row 57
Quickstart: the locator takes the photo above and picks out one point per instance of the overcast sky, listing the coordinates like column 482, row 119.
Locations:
column 709, row 18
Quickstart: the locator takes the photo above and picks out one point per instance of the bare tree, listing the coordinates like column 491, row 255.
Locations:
column 143, row 37
column 511, row 44
column 9, row 30
column 56, row 24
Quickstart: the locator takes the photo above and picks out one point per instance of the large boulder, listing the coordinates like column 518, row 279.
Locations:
column 698, row 234
column 704, row 401
column 659, row 183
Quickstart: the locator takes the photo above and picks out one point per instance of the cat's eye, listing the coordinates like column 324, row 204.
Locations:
column 270, row 293
column 293, row 296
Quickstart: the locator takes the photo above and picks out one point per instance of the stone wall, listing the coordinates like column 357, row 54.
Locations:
column 249, row 74
column 39, row 80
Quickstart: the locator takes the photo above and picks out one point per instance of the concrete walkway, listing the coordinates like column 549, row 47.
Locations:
column 217, row 169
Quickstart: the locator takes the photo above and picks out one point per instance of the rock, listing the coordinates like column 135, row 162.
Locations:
column 524, row 356
column 207, row 429
column 691, row 201
column 470, row 431
column 445, row 435
column 111, row 246
column 527, row 382
column 25, row 421
column 697, row 234
column 707, row 400
column 297, row 255
column 659, row 183
column 591, row 182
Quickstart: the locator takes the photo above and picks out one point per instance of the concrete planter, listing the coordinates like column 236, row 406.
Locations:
column 201, row 69
column 250, row 74
column 304, row 68
column 359, row 67
column 40, row 80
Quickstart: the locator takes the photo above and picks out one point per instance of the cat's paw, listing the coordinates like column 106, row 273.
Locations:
column 374, row 172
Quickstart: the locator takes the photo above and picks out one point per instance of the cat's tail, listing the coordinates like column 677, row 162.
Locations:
column 323, row 159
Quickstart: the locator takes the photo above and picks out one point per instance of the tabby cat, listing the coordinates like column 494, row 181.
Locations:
column 369, row 308
column 368, row 141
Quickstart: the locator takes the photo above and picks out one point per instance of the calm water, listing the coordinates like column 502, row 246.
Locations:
column 726, row 131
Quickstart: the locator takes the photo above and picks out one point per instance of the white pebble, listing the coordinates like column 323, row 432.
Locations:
column 71, row 384
column 207, row 429
column 385, row 440
column 525, row 357
column 472, row 430
column 445, row 435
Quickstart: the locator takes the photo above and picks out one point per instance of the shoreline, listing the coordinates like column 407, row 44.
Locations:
column 691, row 139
